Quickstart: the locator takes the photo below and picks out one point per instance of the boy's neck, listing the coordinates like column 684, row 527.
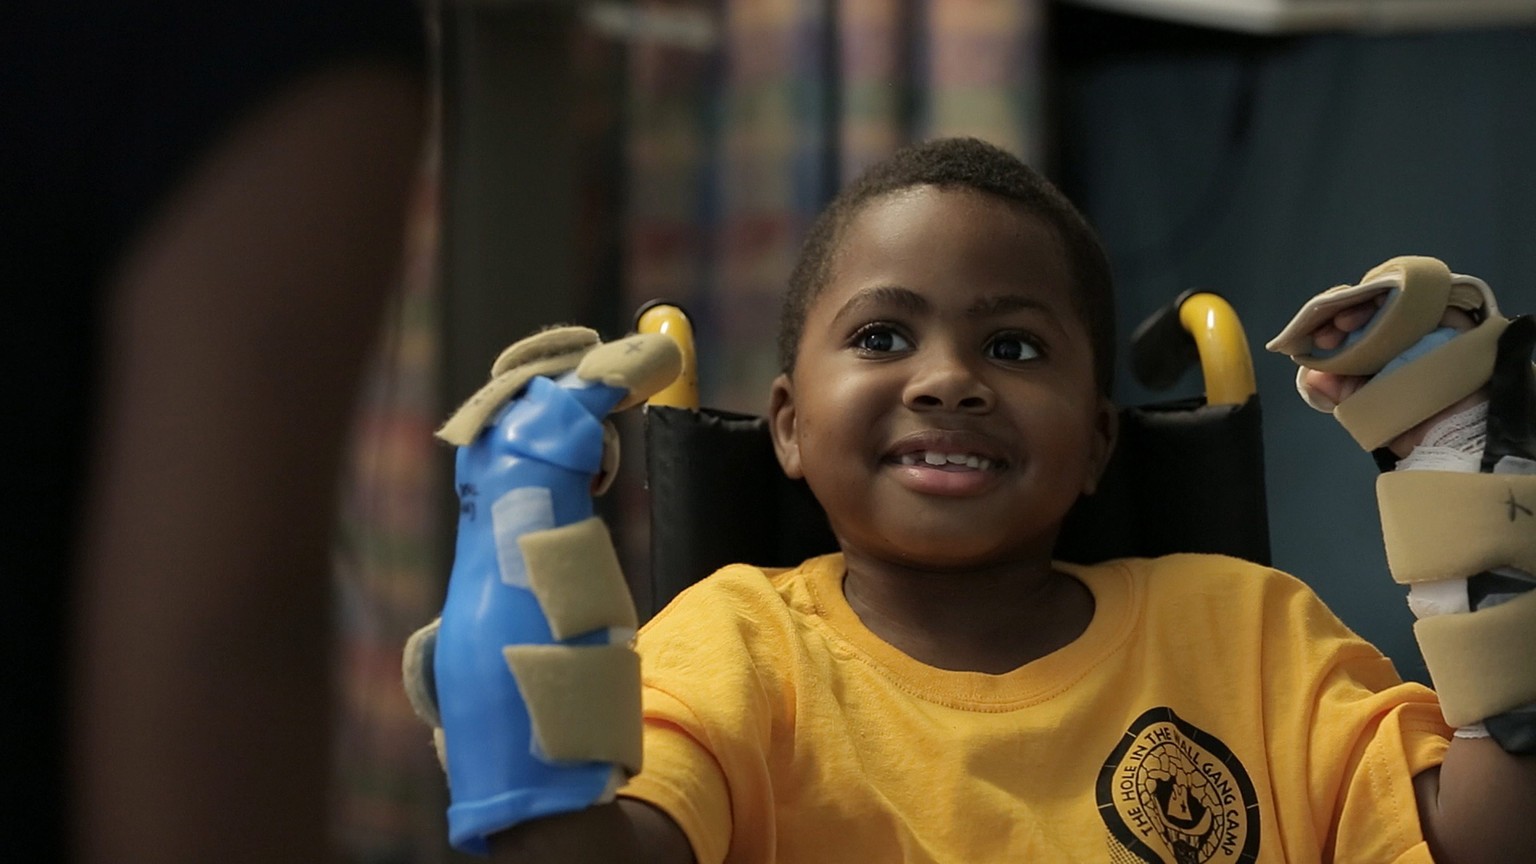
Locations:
column 993, row 619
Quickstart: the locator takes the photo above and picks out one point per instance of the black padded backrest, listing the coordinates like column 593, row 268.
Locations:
column 718, row 497
column 1185, row 477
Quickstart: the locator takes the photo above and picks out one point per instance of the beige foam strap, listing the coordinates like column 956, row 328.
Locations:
column 1445, row 525
column 1391, row 404
column 1425, row 287
column 550, row 352
column 1483, row 663
column 583, row 701
column 574, row 572
column 416, row 673
column 642, row 364
column 556, row 341
column 440, row 746
column 608, row 469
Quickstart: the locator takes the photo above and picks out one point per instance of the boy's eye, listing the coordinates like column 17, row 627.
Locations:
column 1013, row 347
column 878, row 339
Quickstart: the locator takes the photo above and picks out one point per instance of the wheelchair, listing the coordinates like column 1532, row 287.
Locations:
column 1187, row 475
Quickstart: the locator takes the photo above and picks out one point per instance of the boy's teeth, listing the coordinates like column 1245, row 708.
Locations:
column 935, row 458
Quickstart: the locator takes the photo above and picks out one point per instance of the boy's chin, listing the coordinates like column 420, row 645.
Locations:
column 949, row 538
column 953, row 554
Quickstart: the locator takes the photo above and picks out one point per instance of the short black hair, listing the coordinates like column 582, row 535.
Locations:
column 963, row 163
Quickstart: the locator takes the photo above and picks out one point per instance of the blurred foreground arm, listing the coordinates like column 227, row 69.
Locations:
column 241, row 321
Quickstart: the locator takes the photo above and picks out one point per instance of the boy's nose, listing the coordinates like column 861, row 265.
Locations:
column 944, row 382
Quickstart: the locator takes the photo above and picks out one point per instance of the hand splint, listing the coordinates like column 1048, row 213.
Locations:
column 1448, row 367
column 1445, row 528
column 528, row 677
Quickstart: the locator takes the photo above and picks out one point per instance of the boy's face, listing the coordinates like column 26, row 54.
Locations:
column 943, row 406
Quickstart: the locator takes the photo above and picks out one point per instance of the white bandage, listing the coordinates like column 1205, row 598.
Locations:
column 1454, row 444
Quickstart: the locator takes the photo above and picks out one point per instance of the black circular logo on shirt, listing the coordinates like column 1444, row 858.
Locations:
column 1172, row 793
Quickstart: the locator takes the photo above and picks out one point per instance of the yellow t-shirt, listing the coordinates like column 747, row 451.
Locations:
column 1213, row 711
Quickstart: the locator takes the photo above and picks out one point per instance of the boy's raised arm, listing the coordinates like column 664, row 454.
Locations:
column 528, row 678
column 1478, row 806
column 1420, row 367
column 625, row 830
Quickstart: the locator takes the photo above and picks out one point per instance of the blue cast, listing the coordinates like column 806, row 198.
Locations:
column 531, row 469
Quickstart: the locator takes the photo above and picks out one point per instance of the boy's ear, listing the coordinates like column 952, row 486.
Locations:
column 1106, row 431
column 781, row 425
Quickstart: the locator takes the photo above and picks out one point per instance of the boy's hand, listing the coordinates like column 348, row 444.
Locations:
column 1392, row 346
column 529, row 674
column 1337, row 388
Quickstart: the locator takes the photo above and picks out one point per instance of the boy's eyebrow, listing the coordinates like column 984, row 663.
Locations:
column 1003, row 304
column 884, row 297
column 897, row 298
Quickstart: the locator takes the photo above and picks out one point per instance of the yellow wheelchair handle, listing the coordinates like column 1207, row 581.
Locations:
column 669, row 319
column 1225, row 360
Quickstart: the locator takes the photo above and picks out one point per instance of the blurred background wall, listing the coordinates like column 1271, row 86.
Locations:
column 594, row 156
column 1268, row 168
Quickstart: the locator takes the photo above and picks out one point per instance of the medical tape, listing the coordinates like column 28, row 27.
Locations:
column 1389, row 405
column 583, row 701
column 574, row 573
column 1483, row 662
column 1448, row 525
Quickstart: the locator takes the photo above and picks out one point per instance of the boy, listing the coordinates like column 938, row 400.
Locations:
column 942, row 690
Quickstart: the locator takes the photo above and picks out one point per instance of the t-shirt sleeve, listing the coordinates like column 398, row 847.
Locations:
column 1367, row 734
column 683, row 779
column 1378, row 812
column 707, row 713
